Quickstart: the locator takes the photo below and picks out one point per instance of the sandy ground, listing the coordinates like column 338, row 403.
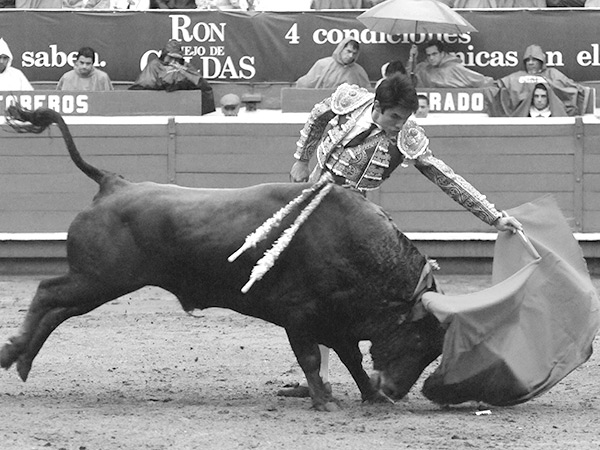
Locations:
column 138, row 373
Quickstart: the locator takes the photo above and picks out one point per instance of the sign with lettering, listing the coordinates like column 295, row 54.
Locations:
column 113, row 103
column 455, row 100
column 282, row 46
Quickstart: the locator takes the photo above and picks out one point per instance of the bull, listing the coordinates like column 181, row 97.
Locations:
column 348, row 275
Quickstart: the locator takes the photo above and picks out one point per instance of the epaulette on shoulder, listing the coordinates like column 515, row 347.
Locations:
column 349, row 97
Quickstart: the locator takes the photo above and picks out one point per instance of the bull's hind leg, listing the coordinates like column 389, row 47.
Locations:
column 55, row 301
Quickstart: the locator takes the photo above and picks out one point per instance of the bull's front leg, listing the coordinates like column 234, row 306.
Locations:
column 309, row 357
column 351, row 356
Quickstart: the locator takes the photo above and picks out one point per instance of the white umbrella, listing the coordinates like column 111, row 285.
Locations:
column 414, row 16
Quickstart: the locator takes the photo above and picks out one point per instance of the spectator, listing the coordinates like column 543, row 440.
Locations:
column 423, row 110
column 361, row 142
column 7, row 3
column 540, row 103
column 84, row 76
column 511, row 95
column 11, row 79
column 339, row 68
column 169, row 72
column 230, row 105
column 443, row 70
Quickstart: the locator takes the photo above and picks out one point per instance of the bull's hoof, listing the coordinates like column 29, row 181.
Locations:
column 8, row 355
column 23, row 368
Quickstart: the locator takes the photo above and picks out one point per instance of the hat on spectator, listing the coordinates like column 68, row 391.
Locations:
column 230, row 105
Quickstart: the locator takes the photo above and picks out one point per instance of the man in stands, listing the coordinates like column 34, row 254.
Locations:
column 11, row 79
column 423, row 110
column 443, row 70
column 84, row 76
column 339, row 68
column 540, row 104
column 169, row 72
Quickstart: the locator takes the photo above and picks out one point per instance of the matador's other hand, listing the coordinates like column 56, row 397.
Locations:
column 299, row 172
column 508, row 223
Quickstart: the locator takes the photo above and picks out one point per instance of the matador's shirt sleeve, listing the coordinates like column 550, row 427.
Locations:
column 313, row 130
column 459, row 189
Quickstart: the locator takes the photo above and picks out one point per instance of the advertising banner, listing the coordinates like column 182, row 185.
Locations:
column 114, row 103
column 279, row 47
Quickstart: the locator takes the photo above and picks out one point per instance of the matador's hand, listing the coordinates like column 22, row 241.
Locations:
column 508, row 223
column 412, row 141
column 299, row 172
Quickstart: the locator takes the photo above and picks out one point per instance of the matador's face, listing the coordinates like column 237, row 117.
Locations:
column 392, row 119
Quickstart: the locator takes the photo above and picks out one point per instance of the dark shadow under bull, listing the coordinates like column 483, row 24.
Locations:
column 348, row 275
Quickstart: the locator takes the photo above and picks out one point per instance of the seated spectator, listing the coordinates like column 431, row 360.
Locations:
column 443, row 70
column 339, row 68
column 11, row 79
column 169, row 72
column 511, row 95
column 423, row 110
column 84, row 76
column 540, row 102
column 230, row 105
column 7, row 3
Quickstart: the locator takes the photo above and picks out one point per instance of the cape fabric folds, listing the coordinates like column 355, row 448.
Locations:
column 514, row 341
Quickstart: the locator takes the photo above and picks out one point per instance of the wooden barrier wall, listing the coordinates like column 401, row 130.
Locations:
column 511, row 161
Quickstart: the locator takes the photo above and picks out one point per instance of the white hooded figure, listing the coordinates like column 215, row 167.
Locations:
column 11, row 79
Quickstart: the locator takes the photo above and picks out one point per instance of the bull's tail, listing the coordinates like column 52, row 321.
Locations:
column 25, row 121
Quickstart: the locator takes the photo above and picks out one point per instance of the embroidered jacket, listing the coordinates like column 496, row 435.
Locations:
column 365, row 166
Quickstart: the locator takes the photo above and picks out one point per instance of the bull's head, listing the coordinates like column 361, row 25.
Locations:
column 401, row 357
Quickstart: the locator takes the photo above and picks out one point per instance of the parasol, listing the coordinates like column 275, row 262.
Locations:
column 414, row 16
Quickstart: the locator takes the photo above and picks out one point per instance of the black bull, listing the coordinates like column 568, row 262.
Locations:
column 348, row 274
